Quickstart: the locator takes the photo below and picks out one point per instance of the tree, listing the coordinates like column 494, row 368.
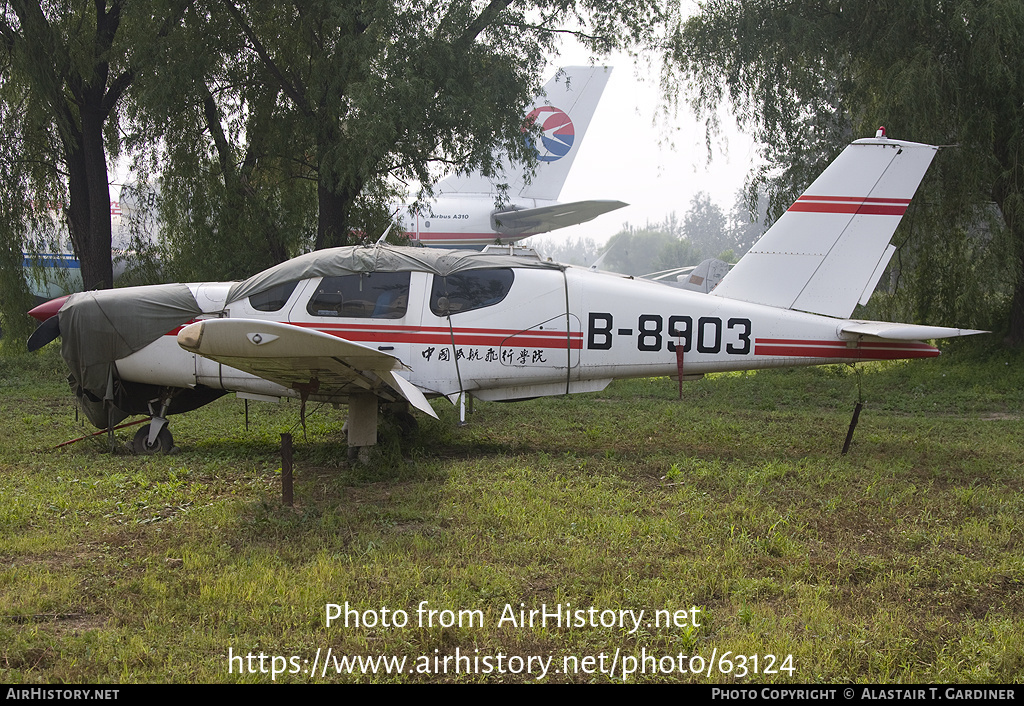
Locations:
column 240, row 107
column 229, row 172
column 748, row 220
column 806, row 75
column 388, row 90
column 65, row 67
column 582, row 251
column 653, row 248
column 705, row 225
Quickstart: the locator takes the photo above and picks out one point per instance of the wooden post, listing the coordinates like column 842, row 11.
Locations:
column 679, row 366
column 286, row 469
column 853, row 425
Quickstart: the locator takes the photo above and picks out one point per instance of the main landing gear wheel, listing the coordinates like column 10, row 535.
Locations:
column 163, row 444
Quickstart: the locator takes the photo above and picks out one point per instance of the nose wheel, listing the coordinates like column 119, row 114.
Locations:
column 162, row 443
column 155, row 437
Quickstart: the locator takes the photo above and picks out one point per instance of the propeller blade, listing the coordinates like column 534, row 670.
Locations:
column 44, row 333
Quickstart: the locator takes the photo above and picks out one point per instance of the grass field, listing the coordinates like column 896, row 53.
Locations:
column 771, row 556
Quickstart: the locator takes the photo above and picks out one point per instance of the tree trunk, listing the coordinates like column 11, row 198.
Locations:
column 334, row 199
column 332, row 220
column 89, row 210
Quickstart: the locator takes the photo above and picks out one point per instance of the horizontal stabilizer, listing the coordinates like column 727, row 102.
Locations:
column 527, row 221
column 669, row 274
column 826, row 251
column 903, row 332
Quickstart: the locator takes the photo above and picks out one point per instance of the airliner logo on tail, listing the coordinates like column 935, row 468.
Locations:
column 558, row 133
column 473, row 210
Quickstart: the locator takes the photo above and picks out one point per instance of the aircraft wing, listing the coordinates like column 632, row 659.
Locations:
column 541, row 219
column 298, row 357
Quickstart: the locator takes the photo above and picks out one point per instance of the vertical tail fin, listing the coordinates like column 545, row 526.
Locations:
column 563, row 113
column 826, row 253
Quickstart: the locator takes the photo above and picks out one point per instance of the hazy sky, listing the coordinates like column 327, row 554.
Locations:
column 652, row 163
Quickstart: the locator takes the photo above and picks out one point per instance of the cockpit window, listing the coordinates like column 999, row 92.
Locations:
column 466, row 291
column 274, row 298
column 370, row 295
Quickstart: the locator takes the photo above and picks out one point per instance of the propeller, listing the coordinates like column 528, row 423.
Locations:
column 49, row 328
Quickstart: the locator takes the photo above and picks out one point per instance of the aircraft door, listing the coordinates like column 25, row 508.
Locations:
column 491, row 325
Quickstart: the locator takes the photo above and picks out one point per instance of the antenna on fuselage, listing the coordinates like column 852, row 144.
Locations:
column 380, row 240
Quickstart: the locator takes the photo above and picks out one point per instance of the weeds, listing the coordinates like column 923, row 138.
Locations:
column 899, row 562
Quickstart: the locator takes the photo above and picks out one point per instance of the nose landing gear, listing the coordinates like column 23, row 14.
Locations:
column 162, row 442
column 155, row 437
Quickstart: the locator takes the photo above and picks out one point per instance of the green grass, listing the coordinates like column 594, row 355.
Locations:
column 900, row 562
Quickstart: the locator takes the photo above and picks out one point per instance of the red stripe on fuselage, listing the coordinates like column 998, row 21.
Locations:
column 438, row 235
column 443, row 336
column 860, row 350
column 174, row 331
column 390, row 333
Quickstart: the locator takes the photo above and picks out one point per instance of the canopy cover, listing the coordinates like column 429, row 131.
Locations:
column 381, row 258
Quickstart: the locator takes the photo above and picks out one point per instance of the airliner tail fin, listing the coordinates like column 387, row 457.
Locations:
column 563, row 114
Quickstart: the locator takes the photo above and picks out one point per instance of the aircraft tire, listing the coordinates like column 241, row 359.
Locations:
column 163, row 444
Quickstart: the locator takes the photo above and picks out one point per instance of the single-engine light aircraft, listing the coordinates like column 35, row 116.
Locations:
column 380, row 324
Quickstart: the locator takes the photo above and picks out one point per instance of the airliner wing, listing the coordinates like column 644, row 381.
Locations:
column 300, row 358
column 544, row 218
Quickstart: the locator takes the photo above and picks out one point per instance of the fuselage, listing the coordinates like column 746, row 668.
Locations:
column 464, row 221
column 511, row 333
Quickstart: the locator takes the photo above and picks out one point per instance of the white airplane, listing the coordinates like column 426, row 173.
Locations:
column 464, row 213
column 372, row 325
